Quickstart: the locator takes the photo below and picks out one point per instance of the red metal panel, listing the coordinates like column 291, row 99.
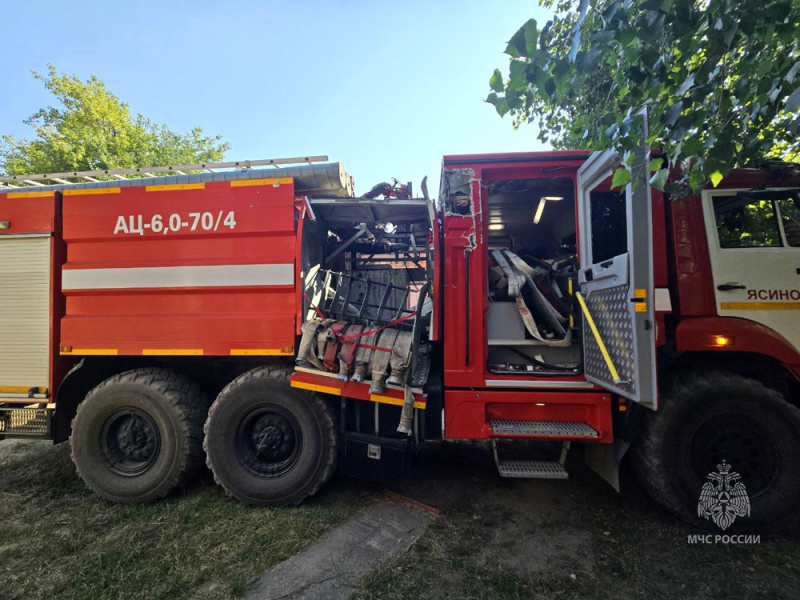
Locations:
column 463, row 307
column 181, row 228
column 694, row 285
column 28, row 212
column 468, row 412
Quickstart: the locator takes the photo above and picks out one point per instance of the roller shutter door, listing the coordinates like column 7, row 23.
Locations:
column 24, row 312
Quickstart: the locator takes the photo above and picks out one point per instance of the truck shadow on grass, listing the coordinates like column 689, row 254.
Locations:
column 504, row 538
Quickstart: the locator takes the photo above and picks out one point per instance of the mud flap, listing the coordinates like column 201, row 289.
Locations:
column 604, row 459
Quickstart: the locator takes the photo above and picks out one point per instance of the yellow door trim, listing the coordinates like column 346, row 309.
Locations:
column 92, row 191
column 174, row 187
column 30, row 194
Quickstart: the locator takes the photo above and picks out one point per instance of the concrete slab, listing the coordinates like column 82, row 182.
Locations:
column 332, row 566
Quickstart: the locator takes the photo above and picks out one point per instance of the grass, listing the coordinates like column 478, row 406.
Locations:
column 591, row 543
column 59, row 541
column 495, row 539
column 639, row 561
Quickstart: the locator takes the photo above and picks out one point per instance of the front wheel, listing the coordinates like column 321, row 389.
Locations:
column 714, row 424
column 267, row 443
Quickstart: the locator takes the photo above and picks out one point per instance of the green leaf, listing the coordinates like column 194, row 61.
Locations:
column 686, row 85
column 659, row 178
column 621, row 178
column 655, row 164
column 696, row 178
column 716, row 177
column 496, row 82
column 793, row 101
column 523, row 42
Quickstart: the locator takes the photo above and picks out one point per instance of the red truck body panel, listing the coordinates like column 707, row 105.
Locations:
column 198, row 269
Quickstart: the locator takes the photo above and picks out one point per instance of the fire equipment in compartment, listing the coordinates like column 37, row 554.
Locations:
column 367, row 306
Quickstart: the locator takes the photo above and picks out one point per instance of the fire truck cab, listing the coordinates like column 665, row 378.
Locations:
column 282, row 328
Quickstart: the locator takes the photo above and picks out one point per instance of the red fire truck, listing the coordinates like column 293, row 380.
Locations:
column 269, row 321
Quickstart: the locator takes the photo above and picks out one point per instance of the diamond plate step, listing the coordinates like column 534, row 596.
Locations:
column 542, row 428
column 532, row 469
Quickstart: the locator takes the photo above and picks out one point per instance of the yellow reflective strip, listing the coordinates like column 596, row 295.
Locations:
column 172, row 352
column 21, row 389
column 92, row 351
column 612, row 369
column 261, row 352
column 640, row 293
column 760, row 305
column 92, row 191
column 570, row 290
column 316, row 388
column 175, row 186
column 29, row 194
column 640, row 307
column 395, row 401
column 247, row 182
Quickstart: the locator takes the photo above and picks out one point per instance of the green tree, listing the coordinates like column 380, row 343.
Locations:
column 93, row 129
column 720, row 79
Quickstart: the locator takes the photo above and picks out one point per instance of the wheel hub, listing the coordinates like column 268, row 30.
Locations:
column 130, row 441
column 136, row 439
column 268, row 441
column 743, row 444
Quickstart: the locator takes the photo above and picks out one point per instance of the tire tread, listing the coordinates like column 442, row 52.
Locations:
column 281, row 373
column 190, row 404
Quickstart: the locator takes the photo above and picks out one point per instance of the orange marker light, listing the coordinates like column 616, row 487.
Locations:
column 721, row 341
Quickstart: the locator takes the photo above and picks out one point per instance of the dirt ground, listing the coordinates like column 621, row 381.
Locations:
column 505, row 538
column 495, row 538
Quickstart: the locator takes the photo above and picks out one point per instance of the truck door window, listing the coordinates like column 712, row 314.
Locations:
column 790, row 217
column 609, row 225
column 746, row 223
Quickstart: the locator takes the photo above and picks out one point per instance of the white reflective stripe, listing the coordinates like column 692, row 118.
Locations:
column 178, row 277
column 663, row 301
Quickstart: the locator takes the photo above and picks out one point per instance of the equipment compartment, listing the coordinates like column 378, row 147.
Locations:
column 532, row 276
column 366, row 299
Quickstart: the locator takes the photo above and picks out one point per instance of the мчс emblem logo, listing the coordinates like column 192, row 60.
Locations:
column 722, row 502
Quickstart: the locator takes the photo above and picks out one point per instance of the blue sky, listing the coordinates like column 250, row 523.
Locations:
column 385, row 87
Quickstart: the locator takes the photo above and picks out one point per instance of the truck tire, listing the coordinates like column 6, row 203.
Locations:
column 138, row 435
column 711, row 416
column 267, row 443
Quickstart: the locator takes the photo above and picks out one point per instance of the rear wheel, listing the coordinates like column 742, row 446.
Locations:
column 709, row 417
column 268, row 443
column 138, row 435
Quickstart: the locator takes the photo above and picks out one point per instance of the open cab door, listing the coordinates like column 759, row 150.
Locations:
column 616, row 278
